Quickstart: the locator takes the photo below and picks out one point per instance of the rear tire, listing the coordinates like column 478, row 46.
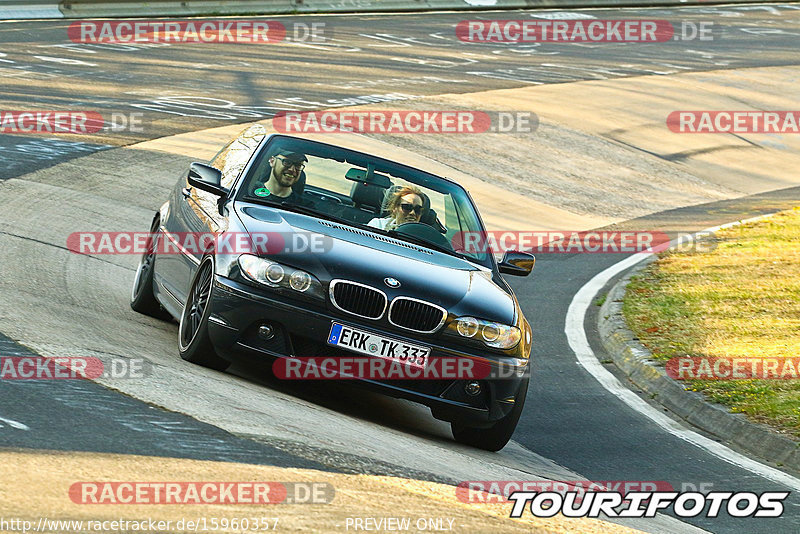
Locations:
column 496, row 436
column 142, row 298
column 193, row 339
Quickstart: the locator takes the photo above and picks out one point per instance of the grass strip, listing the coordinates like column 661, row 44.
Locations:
column 740, row 300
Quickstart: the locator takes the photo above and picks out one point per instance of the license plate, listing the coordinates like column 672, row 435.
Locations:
column 378, row 346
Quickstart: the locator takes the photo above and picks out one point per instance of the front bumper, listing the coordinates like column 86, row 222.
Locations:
column 238, row 311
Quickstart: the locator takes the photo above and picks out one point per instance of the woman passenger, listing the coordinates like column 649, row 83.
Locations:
column 404, row 206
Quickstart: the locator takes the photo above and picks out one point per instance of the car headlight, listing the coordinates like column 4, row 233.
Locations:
column 273, row 274
column 495, row 335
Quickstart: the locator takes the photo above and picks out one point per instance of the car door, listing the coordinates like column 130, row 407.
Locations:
column 195, row 216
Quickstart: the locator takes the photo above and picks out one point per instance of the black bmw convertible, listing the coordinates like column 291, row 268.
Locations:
column 283, row 248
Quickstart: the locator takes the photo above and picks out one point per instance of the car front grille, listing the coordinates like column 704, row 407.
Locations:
column 416, row 315
column 358, row 299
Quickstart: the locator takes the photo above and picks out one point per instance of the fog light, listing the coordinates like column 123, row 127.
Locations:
column 473, row 388
column 266, row 332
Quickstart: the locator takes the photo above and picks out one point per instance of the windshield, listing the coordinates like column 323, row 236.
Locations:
column 365, row 191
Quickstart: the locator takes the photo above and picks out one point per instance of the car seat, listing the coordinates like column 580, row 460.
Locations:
column 367, row 198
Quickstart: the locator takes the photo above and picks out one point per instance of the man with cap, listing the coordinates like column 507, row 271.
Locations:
column 285, row 169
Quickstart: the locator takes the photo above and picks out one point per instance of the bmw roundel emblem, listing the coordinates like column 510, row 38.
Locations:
column 392, row 282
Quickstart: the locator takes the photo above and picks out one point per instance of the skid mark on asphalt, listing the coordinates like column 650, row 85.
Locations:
column 23, row 155
column 82, row 415
column 13, row 424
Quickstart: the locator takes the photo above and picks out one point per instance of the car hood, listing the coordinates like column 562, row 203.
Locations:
column 346, row 252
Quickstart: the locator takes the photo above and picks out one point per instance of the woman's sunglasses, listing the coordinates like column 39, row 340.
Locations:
column 408, row 208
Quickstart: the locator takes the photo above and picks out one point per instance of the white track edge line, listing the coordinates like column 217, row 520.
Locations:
column 576, row 336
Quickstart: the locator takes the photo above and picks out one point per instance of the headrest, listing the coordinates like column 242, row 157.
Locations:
column 428, row 215
column 300, row 185
column 370, row 195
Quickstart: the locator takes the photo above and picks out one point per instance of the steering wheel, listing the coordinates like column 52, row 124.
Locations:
column 425, row 232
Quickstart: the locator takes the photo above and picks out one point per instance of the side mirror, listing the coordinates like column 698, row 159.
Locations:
column 517, row 263
column 206, row 178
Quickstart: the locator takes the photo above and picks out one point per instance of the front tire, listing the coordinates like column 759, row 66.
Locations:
column 142, row 298
column 496, row 436
column 193, row 339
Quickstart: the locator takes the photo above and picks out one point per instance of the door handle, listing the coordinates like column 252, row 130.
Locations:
column 187, row 192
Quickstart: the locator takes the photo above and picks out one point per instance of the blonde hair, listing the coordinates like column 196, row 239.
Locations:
column 393, row 197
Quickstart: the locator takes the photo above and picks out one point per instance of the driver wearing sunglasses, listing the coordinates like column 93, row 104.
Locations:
column 284, row 171
column 404, row 206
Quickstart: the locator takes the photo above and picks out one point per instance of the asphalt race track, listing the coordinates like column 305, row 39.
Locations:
column 180, row 89
column 54, row 302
